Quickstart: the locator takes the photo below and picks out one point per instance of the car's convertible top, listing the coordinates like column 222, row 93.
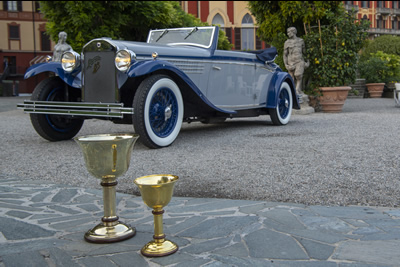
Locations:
column 266, row 55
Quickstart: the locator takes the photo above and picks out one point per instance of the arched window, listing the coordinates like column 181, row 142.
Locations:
column 365, row 18
column 247, row 33
column 218, row 20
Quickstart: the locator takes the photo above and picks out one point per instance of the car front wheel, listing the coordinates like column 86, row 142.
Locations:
column 158, row 111
column 54, row 127
column 281, row 114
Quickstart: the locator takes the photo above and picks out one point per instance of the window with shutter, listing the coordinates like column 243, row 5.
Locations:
column 45, row 41
column 237, row 39
column 228, row 32
column 14, row 31
column 258, row 43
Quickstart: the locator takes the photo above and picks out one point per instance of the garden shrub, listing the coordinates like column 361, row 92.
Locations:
column 386, row 43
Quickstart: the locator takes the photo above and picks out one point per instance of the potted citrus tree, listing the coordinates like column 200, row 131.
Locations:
column 379, row 69
column 333, row 52
column 374, row 70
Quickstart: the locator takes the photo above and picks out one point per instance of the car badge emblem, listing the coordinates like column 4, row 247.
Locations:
column 96, row 67
column 98, row 44
column 95, row 63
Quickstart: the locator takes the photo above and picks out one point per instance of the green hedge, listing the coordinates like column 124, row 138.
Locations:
column 386, row 43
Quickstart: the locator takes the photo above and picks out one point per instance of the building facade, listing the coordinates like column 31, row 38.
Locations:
column 234, row 18
column 23, row 40
column 383, row 15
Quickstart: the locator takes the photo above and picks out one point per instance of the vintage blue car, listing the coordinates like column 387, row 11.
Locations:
column 177, row 76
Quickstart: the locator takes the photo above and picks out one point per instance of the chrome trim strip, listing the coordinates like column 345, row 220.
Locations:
column 108, row 110
column 238, row 106
column 205, row 61
column 190, row 44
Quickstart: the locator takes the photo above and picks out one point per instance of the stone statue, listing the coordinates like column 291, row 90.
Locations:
column 61, row 46
column 294, row 49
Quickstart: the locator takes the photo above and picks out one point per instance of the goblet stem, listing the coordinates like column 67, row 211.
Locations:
column 109, row 201
column 160, row 246
column 111, row 229
column 159, row 236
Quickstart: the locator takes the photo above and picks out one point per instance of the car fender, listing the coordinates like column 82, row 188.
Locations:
column 273, row 90
column 73, row 79
column 146, row 67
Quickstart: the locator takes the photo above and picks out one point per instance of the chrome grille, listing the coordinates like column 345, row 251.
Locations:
column 99, row 73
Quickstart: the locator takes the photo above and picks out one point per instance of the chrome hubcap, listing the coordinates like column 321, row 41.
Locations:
column 168, row 112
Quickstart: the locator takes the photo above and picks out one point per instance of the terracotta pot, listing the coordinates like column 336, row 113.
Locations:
column 375, row 90
column 333, row 98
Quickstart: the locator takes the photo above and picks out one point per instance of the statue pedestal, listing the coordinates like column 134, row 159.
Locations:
column 305, row 108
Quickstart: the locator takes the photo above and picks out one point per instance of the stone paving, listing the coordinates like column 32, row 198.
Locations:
column 43, row 224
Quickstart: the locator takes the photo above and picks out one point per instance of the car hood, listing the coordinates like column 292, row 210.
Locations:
column 142, row 49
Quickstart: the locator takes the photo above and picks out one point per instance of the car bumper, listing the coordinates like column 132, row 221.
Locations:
column 105, row 110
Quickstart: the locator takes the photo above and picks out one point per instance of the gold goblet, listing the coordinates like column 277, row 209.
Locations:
column 156, row 191
column 107, row 156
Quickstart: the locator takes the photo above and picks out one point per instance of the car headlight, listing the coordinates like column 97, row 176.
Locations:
column 123, row 59
column 70, row 60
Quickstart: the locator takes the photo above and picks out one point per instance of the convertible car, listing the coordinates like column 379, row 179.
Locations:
column 177, row 76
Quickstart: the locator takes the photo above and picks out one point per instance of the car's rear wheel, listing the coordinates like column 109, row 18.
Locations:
column 158, row 111
column 281, row 114
column 54, row 127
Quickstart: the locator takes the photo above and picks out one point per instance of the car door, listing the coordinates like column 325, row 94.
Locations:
column 231, row 84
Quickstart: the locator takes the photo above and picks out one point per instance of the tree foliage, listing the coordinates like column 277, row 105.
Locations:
column 332, row 36
column 274, row 17
column 386, row 43
column 380, row 67
column 333, row 50
column 126, row 20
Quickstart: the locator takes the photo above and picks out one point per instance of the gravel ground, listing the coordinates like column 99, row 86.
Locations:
column 350, row 158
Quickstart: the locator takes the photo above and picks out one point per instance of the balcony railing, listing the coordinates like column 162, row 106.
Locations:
column 384, row 31
column 349, row 7
column 383, row 11
column 396, row 11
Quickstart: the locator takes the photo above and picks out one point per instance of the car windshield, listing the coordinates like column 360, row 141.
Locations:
column 198, row 36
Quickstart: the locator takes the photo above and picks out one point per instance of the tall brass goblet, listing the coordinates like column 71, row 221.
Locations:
column 107, row 156
column 156, row 191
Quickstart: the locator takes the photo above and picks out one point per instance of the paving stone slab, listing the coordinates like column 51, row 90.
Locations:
column 13, row 229
column 372, row 252
column 268, row 244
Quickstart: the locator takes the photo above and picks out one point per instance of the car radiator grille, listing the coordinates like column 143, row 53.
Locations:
column 99, row 78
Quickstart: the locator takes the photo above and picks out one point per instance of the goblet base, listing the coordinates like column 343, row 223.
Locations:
column 155, row 249
column 109, row 234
